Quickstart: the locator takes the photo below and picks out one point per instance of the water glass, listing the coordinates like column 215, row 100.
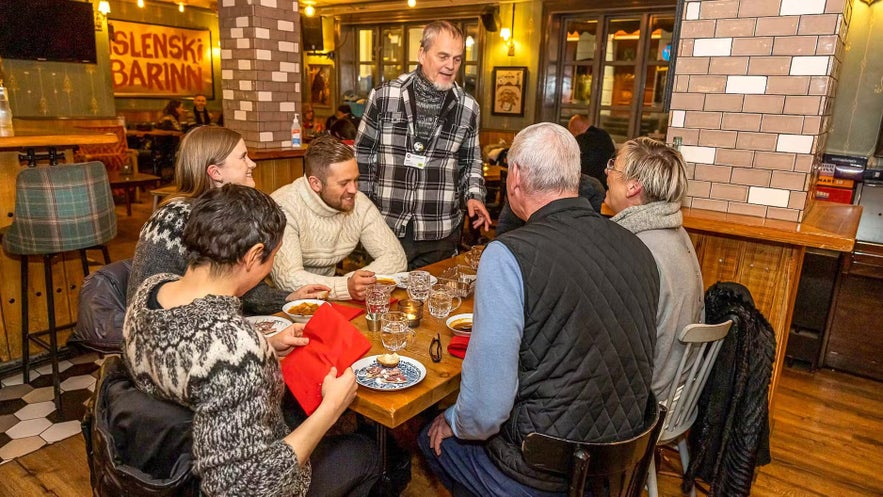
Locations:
column 418, row 285
column 376, row 303
column 474, row 255
column 394, row 330
column 441, row 301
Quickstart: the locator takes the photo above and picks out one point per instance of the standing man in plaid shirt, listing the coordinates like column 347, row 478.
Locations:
column 418, row 151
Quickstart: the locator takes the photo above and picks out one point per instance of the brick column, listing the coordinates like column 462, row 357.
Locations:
column 260, row 68
column 753, row 88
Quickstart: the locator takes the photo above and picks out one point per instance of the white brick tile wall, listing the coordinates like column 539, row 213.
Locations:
column 800, row 7
column 245, row 85
column 701, row 155
column 746, row 84
column 243, row 43
column 287, row 46
column 768, row 196
column 263, row 55
column 801, row 144
column 286, row 107
column 262, row 33
column 227, row 74
column 704, row 47
column 284, row 25
column 692, row 11
column 816, row 65
column 265, row 96
column 269, row 3
column 239, row 115
column 242, row 22
column 677, row 118
column 236, row 33
column 246, row 105
column 244, row 64
column 288, row 66
column 279, row 77
column 228, row 94
column 265, row 136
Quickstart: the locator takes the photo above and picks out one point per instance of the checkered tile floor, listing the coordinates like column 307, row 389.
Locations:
column 28, row 418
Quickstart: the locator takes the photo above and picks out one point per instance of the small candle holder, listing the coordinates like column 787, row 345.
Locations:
column 413, row 310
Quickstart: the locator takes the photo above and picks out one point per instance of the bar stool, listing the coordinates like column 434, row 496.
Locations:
column 57, row 209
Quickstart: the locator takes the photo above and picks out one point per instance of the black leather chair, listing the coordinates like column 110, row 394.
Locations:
column 614, row 469
column 136, row 445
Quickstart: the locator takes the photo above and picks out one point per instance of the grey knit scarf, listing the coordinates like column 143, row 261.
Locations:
column 652, row 216
column 429, row 105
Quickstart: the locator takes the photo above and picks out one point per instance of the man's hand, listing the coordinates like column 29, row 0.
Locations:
column 289, row 338
column 477, row 210
column 309, row 292
column 358, row 282
column 438, row 431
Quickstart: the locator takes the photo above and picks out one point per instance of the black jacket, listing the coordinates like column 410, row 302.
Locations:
column 585, row 363
column 730, row 436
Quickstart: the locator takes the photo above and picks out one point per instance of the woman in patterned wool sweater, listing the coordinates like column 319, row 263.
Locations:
column 209, row 157
column 187, row 341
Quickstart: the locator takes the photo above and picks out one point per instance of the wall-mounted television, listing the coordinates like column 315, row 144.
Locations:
column 55, row 30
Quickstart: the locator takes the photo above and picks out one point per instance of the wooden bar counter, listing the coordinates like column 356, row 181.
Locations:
column 67, row 271
column 277, row 167
column 766, row 256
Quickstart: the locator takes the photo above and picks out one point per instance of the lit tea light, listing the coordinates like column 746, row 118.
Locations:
column 413, row 310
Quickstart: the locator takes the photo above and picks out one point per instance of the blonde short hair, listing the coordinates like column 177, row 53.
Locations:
column 658, row 167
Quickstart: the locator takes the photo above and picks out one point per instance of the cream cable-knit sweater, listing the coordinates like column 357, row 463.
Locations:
column 317, row 237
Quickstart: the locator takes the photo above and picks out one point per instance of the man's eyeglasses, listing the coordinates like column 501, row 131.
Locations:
column 435, row 348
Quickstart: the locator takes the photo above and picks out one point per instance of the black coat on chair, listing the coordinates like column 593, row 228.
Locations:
column 730, row 436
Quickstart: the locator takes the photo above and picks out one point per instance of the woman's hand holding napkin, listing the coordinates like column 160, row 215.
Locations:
column 333, row 341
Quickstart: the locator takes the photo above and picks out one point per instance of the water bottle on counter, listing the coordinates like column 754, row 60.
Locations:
column 296, row 140
column 5, row 113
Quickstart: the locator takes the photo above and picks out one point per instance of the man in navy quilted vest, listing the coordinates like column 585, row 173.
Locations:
column 563, row 334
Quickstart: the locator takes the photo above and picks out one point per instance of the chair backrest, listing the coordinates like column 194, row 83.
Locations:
column 136, row 445
column 61, row 208
column 613, row 469
column 113, row 155
column 703, row 342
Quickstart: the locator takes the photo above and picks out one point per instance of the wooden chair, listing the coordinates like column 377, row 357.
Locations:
column 703, row 342
column 614, row 469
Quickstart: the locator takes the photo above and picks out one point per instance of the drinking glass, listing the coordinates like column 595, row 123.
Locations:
column 394, row 331
column 474, row 255
column 376, row 303
column 418, row 285
column 441, row 301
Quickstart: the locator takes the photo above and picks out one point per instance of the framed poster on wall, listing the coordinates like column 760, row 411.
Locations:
column 151, row 60
column 509, row 91
column 319, row 84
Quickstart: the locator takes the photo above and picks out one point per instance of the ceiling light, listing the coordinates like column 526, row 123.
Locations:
column 505, row 33
column 104, row 7
column 141, row 4
column 309, row 11
column 181, row 7
column 412, row 3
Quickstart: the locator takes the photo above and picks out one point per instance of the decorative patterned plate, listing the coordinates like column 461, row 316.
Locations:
column 268, row 325
column 402, row 280
column 411, row 369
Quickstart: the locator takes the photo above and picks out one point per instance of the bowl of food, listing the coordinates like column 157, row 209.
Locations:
column 301, row 310
column 460, row 324
column 384, row 279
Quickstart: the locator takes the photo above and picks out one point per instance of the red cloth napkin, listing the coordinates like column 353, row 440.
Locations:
column 349, row 312
column 458, row 345
column 333, row 342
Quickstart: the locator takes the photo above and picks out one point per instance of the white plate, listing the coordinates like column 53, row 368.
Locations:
column 278, row 324
column 457, row 317
column 300, row 318
column 402, row 280
column 392, row 277
column 411, row 368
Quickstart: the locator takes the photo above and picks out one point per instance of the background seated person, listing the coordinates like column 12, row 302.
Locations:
column 596, row 147
column 563, row 335
column 344, row 130
column 343, row 112
column 209, row 157
column 327, row 218
column 172, row 116
column 201, row 114
column 186, row 341
column 647, row 181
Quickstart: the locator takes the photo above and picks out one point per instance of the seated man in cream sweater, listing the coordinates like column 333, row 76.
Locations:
column 327, row 218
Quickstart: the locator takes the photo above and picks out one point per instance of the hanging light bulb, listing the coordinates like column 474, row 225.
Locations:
column 470, row 41
column 141, row 4
column 412, row 3
column 310, row 11
column 505, row 33
column 104, row 7
column 181, row 7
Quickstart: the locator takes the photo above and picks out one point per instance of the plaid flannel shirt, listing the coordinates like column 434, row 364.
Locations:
column 433, row 197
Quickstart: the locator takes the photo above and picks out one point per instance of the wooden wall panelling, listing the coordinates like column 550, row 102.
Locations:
column 719, row 261
column 272, row 174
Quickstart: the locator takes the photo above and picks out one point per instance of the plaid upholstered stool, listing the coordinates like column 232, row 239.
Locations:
column 57, row 209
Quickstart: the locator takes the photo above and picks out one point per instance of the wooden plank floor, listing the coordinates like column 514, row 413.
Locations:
column 827, row 441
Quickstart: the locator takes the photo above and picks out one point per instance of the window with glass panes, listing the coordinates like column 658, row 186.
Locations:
column 398, row 45
column 614, row 68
